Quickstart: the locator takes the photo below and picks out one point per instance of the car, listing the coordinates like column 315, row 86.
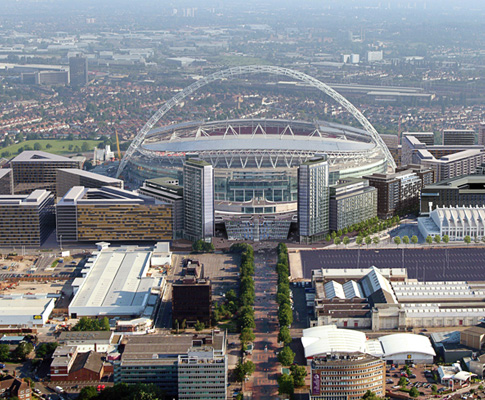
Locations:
column 412, row 376
column 395, row 375
column 389, row 381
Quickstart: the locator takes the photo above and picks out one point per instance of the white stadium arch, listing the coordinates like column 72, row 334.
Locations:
column 255, row 69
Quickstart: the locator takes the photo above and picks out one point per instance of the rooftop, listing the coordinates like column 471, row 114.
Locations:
column 39, row 156
column 92, row 175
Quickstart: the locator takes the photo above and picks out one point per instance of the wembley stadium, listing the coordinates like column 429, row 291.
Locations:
column 255, row 160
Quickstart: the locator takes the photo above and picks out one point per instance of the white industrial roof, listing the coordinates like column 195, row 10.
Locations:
column 23, row 305
column 399, row 343
column 329, row 339
column 115, row 284
column 463, row 375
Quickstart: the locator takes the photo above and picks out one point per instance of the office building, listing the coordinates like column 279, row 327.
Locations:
column 38, row 170
column 464, row 191
column 352, row 201
column 168, row 191
column 456, row 222
column 26, row 220
column 192, row 296
column 396, row 193
column 51, row 78
column 481, row 134
column 458, row 137
column 115, row 283
column 78, row 71
column 192, row 367
column 6, row 181
column 373, row 56
column 313, row 199
column 68, row 178
column 198, row 200
column 424, row 137
column 111, row 214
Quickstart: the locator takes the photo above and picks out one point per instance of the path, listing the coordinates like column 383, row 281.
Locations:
column 263, row 383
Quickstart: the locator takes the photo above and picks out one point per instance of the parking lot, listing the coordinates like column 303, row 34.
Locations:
column 428, row 264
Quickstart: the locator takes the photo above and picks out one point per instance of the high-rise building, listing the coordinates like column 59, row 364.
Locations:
column 26, row 219
column 458, row 137
column 313, row 199
column 78, row 71
column 352, row 201
column 6, row 181
column 38, row 170
column 168, row 191
column 111, row 214
column 68, row 178
column 198, row 200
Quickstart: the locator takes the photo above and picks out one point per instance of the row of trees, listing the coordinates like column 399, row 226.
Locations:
column 296, row 378
column 245, row 304
column 123, row 391
column 88, row 324
column 201, row 246
column 19, row 354
column 364, row 228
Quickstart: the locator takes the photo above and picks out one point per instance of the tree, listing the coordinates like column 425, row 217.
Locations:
column 397, row 240
column 243, row 369
column 4, row 352
column 376, row 240
column 333, row 235
column 45, row 349
column 199, row 326
column 22, row 351
column 405, row 239
column 368, row 240
column 85, row 147
column 48, row 146
column 285, row 315
column 286, row 356
column 369, row 395
column 359, row 240
column 286, row 385
column 467, row 239
column 183, row 324
column 87, row 393
column 339, row 233
column 402, row 381
column 298, row 372
column 429, row 239
column 437, row 239
column 336, row 241
column 414, row 392
column 37, row 146
column 434, row 388
column 414, row 239
column 328, row 238
column 247, row 335
column 284, row 335
column 346, row 240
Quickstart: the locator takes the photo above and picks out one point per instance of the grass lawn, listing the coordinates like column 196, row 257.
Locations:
column 58, row 146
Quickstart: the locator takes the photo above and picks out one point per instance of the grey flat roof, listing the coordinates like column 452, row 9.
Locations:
column 34, row 198
column 4, row 171
column 39, row 156
column 258, row 142
column 92, row 175
column 455, row 183
column 78, row 194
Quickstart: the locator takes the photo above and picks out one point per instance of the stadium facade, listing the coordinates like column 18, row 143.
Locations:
column 255, row 161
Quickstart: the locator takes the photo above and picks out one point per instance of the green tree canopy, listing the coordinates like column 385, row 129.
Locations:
column 414, row 239
column 286, row 356
column 405, row 239
column 298, row 372
column 286, row 384
column 284, row 335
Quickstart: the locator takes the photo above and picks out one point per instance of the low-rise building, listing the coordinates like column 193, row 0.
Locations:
column 15, row 387
column 71, row 365
column 84, row 341
column 25, row 310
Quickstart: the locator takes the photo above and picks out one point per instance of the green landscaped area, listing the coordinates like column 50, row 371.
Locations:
column 51, row 146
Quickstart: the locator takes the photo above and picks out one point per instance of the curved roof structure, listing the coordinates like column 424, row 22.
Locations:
column 368, row 131
column 329, row 339
column 406, row 343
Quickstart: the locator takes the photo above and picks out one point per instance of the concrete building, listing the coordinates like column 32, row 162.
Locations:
column 192, row 367
column 313, row 199
column 460, row 137
column 373, row 56
column 455, row 222
column 111, row 214
column 68, row 178
column 85, row 341
column 6, row 181
column 26, row 220
column 78, row 71
column 351, row 202
column 38, row 170
column 424, row 137
column 115, row 283
column 481, row 134
column 463, row 191
column 51, row 78
column 396, row 193
column 198, row 200
column 166, row 190
column 25, row 310
column 474, row 337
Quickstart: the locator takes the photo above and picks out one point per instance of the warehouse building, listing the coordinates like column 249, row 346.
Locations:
column 25, row 310
column 115, row 283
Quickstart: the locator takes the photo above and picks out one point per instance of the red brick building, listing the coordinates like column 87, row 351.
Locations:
column 13, row 387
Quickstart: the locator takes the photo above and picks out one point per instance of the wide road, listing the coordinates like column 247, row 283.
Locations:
column 263, row 383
